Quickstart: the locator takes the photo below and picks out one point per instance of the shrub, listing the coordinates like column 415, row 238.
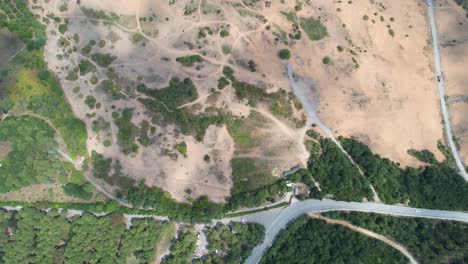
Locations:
column 182, row 148
column 326, row 60
column 188, row 61
column 222, row 82
column 224, row 33
column 284, row 54
column 103, row 60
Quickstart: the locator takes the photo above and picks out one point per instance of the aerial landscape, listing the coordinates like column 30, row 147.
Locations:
column 237, row 131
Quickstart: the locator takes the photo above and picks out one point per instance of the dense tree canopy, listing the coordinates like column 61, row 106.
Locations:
column 430, row 241
column 315, row 241
column 33, row 236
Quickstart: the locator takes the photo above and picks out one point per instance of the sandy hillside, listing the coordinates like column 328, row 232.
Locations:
column 452, row 24
column 376, row 84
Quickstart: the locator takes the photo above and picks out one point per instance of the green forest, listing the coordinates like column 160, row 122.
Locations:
column 337, row 175
column 33, row 236
column 314, row 241
column 438, row 186
column 430, row 241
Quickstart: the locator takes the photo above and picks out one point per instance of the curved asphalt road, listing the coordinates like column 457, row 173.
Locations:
column 440, row 86
column 277, row 219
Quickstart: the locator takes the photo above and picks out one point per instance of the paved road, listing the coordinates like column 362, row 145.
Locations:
column 440, row 86
column 277, row 219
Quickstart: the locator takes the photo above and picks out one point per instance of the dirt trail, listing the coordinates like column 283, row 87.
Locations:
column 368, row 233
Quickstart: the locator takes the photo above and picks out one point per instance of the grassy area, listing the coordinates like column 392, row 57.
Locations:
column 249, row 174
column 314, row 29
column 242, row 133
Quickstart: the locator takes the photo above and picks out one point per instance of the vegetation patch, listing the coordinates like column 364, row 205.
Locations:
column 284, row 54
column 425, row 187
column 222, row 82
column 182, row 148
column 183, row 247
column 83, row 239
column 44, row 97
column 423, row 155
column 314, row 29
column 189, row 61
column 18, row 19
column 32, row 158
column 318, row 242
column 127, row 132
column 231, row 243
column 337, row 175
column 103, row 60
column 176, row 94
column 431, row 241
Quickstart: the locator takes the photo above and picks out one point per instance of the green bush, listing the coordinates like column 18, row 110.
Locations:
column 182, row 148
column 189, row 61
column 224, row 33
column 284, row 54
column 222, row 82
column 326, row 60
column 423, row 155
column 229, row 73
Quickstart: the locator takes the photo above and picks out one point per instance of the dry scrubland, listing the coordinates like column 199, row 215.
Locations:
column 230, row 107
column 452, row 23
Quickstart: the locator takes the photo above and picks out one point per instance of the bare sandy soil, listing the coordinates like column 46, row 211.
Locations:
column 379, row 88
column 5, row 148
column 452, row 25
column 389, row 102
